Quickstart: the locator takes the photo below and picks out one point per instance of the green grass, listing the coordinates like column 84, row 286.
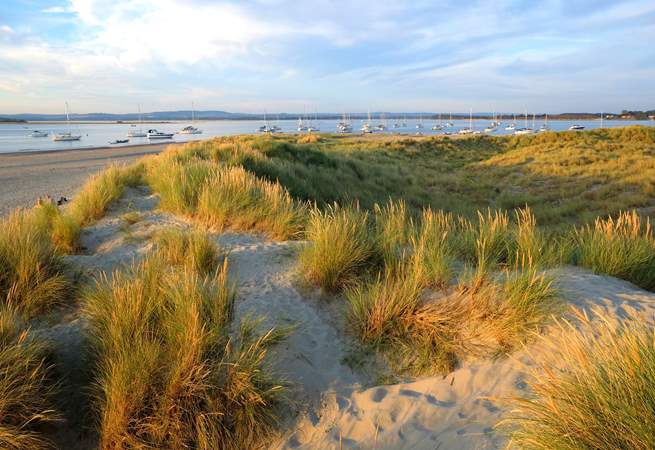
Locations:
column 27, row 390
column 623, row 247
column 595, row 389
column 341, row 247
column 168, row 373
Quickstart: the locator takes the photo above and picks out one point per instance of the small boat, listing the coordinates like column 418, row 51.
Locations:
column 511, row 126
column 490, row 129
column 468, row 130
column 68, row 136
column 135, row 133
column 37, row 133
column 190, row 129
column 154, row 134
column 576, row 127
column 544, row 126
column 119, row 141
column 525, row 129
column 438, row 126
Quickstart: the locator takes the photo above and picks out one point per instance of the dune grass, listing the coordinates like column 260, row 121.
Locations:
column 224, row 197
column 341, row 247
column 32, row 275
column 26, row 389
column 623, row 247
column 168, row 372
column 192, row 249
column 95, row 196
column 594, row 389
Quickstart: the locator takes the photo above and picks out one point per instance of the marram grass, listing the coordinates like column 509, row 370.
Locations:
column 593, row 389
column 168, row 372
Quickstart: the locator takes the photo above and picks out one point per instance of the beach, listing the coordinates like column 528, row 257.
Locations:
column 25, row 176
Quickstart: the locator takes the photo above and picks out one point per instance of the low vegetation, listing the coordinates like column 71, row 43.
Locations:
column 603, row 397
column 168, row 373
column 623, row 247
column 26, row 389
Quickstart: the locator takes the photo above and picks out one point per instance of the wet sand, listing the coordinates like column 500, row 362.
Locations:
column 24, row 176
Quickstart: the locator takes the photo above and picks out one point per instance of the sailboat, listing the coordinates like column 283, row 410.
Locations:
column 438, row 126
column 544, row 126
column 419, row 125
column 450, row 124
column 468, row 130
column 525, row 130
column 140, row 133
column 314, row 125
column 68, row 136
column 512, row 126
column 190, row 129
column 366, row 127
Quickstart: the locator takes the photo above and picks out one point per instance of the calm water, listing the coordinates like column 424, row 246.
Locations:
column 16, row 137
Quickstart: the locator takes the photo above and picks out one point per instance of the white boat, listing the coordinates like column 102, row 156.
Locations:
column 154, row 134
column 544, row 126
column 68, row 136
column 366, row 126
column 512, row 126
column 438, row 126
column 468, row 130
column 490, row 129
column 419, row 125
column 190, row 129
column 344, row 126
column 525, row 129
column 450, row 123
column 37, row 133
column 135, row 133
column 576, row 127
column 301, row 125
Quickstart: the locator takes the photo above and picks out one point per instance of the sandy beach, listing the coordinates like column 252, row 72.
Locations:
column 24, row 176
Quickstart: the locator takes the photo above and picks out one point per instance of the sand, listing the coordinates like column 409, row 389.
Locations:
column 334, row 405
column 25, row 176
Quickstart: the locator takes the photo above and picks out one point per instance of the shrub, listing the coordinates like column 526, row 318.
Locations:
column 623, row 247
column 488, row 243
column 340, row 247
column 594, row 388
column 394, row 230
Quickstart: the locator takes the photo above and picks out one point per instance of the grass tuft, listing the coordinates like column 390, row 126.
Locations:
column 168, row 373
column 595, row 388
column 26, row 390
column 192, row 249
column 340, row 247
column 623, row 247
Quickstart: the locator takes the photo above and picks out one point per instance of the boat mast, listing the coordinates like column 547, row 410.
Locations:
column 68, row 122
column 471, row 119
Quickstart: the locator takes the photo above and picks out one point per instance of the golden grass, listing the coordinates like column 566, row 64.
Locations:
column 168, row 374
column 32, row 274
column 26, row 390
column 623, row 247
column 192, row 249
column 594, row 388
column 95, row 196
column 340, row 247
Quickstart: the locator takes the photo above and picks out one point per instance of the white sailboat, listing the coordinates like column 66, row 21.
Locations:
column 468, row 130
column 38, row 134
column 511, row 126
column 366, row 126
column 190, row 129
column 544, row 126
column 68, row 136
column 525, row 129
column 139, row 133
column 438, row 126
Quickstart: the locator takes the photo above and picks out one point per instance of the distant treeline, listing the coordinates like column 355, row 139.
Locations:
column 9, row 119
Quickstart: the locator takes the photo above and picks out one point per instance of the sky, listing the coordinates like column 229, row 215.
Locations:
column 327, row 55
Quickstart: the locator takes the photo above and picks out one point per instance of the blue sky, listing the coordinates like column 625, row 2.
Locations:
column 327, row 55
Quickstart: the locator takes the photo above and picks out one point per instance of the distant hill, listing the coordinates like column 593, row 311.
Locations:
column 11, row 119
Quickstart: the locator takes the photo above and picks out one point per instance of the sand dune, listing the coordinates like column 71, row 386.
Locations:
column 336, row 406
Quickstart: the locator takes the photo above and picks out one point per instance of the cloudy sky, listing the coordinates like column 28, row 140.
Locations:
column 327, row 55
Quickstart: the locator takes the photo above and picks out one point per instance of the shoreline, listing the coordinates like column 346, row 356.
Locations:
column 26, row 176
column 82, row 149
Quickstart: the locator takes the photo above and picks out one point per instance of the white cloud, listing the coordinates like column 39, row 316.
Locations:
column 56, row 10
